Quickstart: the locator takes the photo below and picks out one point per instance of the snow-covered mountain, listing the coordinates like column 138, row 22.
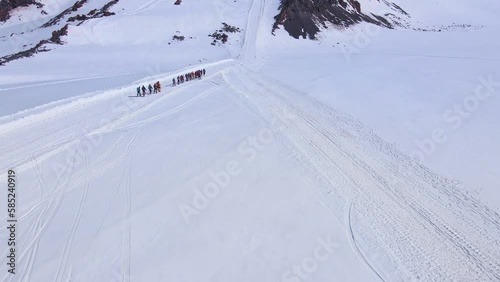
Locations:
column 8, row 7
column 368, row 153
column 306, row 17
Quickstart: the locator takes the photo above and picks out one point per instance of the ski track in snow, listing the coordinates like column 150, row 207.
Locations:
column 255, row 15
column 142, row 8
column 355, row 246
column 35, row 164
column 427, row 226
column 100, row 166
column 104, row 163
column 430, row 229
column 61, row 82
column 47, row 205
column 76, row 222
column 43, row 220
column 178, row 108
column 127, row 229
column 50, row 204
column 96, row 116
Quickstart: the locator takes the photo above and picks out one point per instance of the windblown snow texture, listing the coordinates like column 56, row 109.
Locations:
column 305, row 18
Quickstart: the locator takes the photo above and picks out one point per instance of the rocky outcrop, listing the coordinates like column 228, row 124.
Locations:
column 73, row 8
column 305, row 18
column 95, row 13
column 39, row 47
column 221, row 35
column 6, row 7
column 53, row 24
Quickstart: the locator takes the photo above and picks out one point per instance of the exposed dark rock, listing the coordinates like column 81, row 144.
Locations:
column 221, row 35
column 305, row 18
column 57, row 34
column 110, row 4
column 6, row 7
column 229, row 28
column 78, row 18
column 95, row 13
column 356, row 5
column 39, row 47
column 178, row 38
column 399, row 9
column 74, row 8
column 448, row 28
column 217, row 36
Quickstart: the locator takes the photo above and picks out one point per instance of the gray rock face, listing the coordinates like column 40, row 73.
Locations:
column 6, row 6
column 304, row 18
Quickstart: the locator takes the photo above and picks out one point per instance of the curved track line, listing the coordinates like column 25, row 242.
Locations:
column 355, row 245
column 54, row 202
column 142, row 8
column 162, row 115
column 69, row 241
column 127, row 236
column 339, row 148
column 40, row 223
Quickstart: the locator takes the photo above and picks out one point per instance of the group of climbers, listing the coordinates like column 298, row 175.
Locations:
column 156, row 88
column 188, row 76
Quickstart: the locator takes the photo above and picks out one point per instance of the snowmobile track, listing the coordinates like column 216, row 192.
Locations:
column 409, row 212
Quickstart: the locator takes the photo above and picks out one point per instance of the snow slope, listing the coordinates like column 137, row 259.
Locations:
column 290, row 161
column 115, row 51
column 427, row 77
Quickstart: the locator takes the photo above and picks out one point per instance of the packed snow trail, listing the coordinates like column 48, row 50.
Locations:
column 48, row 206
column 70, row 129
column 89, row 135
column 77, row 133
column 249, row 49
column 394, row 208
column 427, row 226
column 63, row 128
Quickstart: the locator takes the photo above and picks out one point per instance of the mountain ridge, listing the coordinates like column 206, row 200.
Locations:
column 306, row 18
